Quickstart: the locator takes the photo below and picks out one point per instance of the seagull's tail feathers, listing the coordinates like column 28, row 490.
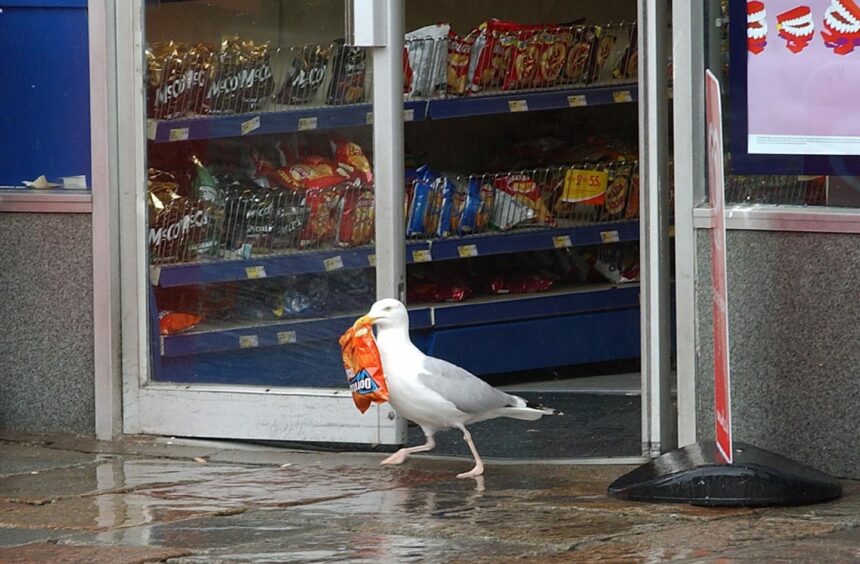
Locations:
column 526, row 410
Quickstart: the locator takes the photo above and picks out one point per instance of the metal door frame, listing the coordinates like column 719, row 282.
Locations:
column 125, row 402
column 658, row 415
column 119, row 219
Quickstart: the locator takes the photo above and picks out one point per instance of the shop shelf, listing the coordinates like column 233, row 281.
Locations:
column 213, row 337
column 327, row 260
column 268, row 122
column 271, row 266
column 219, row 337
column 531, row 101
column 332, row 117
column 567, row 301
column 534, row 240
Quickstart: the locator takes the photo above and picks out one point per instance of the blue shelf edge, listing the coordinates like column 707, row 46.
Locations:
column 308, row 262
column 333, row 117
column 441, row 316
column 529, row 101
column 264, row 123
column 287, row 333
column 534, row 240
column 300, row 262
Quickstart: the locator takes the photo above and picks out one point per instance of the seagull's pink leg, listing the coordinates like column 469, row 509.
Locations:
column 479, row 464
column 400, row 456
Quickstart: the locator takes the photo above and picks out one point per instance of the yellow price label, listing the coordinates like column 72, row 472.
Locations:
column 622, row 96
column 333, row 263
column 307, row 123
column 562, row 242
column 422, row 255
column 466, row 251
column 252, row 124
column 610, row 236
column 577, row 101
column 249, row 341
column 409, row 115
column 518, row 105
column 179, row 134
column 286, row 337
column 255, row 272
column 585, row 186
column 371, row 260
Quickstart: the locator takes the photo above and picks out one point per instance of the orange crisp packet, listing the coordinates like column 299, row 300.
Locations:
column 363, row 367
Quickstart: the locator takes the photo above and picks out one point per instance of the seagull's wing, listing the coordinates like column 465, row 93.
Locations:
column 467, row 392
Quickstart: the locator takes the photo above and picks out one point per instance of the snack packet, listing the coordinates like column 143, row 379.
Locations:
column 459, row 55
column 425, row 60
column 363, row 367
column 477, row 208
column 172, row 322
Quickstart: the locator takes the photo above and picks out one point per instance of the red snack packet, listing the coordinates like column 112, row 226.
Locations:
column 525, row 58
column 459, row 54
column 363, row 367
column 322, row 206
column 170, row 322
column 352, row 155
column 495, row 46
column 356, row 218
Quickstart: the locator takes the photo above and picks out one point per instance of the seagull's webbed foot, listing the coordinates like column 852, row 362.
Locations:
column 401, row 455
column 398, row 457
column 473, row 473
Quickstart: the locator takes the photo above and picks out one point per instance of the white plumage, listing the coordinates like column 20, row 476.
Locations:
column 434, row 393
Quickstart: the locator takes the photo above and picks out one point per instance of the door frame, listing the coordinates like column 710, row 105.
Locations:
column 127, row 403
column 223, row 411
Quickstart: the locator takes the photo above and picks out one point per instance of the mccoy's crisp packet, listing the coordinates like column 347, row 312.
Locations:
column 363, row 367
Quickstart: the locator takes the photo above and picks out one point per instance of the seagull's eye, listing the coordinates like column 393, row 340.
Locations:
column 388, row 308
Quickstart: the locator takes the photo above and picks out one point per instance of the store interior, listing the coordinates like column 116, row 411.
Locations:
column 522, row 203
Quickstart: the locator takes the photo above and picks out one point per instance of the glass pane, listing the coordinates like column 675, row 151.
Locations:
column 260, row 190
column 792, row 140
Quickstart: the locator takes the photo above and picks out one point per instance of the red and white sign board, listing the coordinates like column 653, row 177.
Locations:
column 717, row 193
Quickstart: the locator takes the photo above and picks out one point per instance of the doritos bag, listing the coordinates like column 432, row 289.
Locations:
column 363, row 367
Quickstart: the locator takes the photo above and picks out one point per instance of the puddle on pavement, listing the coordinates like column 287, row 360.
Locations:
column 22, row 458
column 109, row 473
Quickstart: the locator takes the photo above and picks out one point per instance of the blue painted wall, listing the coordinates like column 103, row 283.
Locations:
column 44, row 90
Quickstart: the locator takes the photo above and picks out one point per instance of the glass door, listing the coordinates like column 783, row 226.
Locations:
column 248, row 218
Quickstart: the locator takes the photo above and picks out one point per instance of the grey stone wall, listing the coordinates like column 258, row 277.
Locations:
column 794, row 326
column 46, row 335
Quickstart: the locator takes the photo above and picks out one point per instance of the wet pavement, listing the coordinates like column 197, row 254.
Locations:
column 142, row 499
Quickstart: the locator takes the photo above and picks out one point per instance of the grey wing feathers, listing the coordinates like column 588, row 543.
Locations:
column 469, row 393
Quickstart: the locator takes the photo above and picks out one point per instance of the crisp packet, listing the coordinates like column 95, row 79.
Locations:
column 171, row 322
column 363, row 367
column 416, row 224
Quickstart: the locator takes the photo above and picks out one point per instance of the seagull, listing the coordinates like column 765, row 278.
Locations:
column 433, row 393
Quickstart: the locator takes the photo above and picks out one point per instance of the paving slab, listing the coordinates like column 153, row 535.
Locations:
column 262, row 504
column 48, row 552
column 24, row 458
column 16, row 536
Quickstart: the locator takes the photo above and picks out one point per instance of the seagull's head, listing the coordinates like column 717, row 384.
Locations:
column 387, row 313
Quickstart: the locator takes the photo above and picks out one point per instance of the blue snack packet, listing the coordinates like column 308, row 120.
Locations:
column 423, row 190
column 446, row 208
column 469, row 221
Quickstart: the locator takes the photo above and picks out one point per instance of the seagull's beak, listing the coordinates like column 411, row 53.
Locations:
column 363, row 320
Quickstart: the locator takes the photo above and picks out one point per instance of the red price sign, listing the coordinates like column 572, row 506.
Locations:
column 585, row 186
column 719, row 293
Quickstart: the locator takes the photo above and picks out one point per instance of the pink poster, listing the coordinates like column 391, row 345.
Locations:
column 803, row 77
